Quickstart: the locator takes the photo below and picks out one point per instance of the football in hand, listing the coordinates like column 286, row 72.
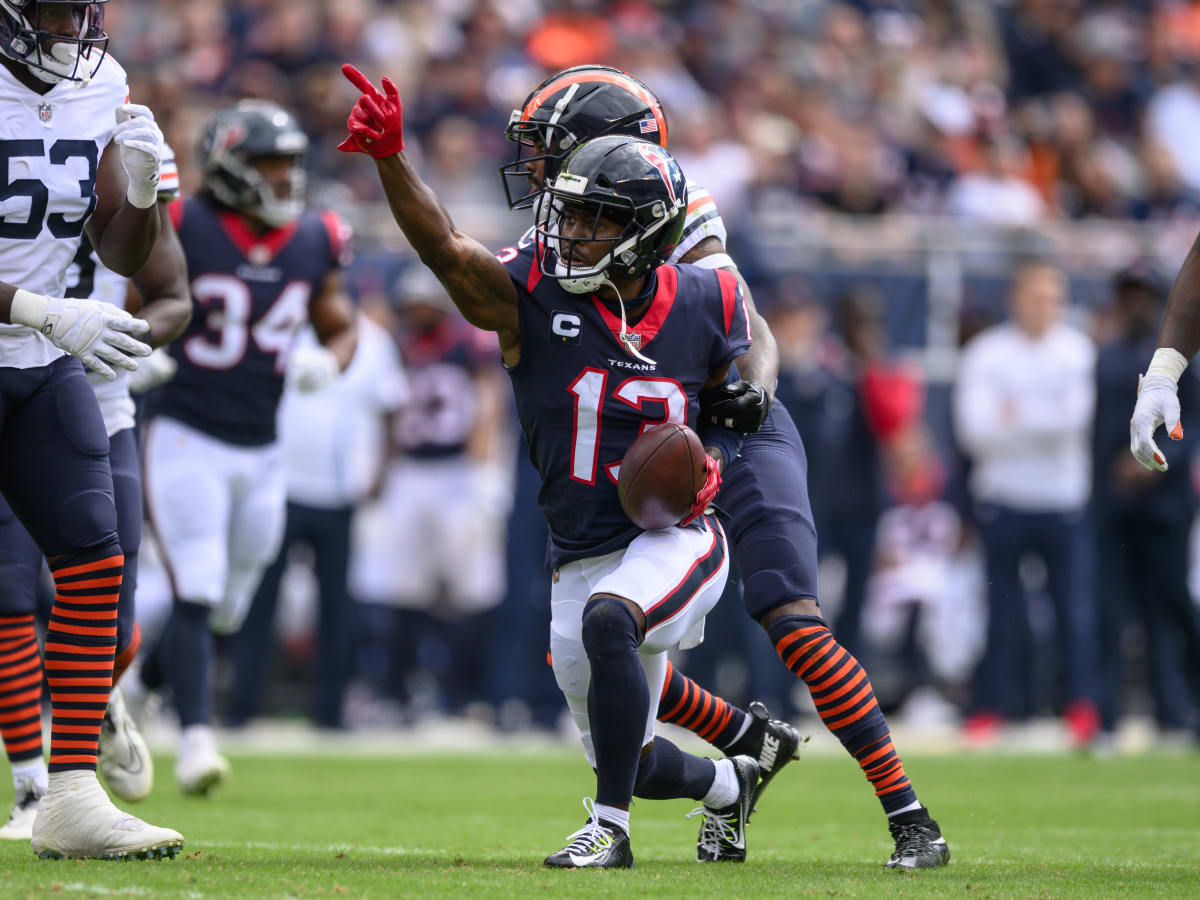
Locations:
column 660, row 475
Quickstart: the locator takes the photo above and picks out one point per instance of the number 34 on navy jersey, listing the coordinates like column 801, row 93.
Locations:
column 583, row 398
column 250, row 294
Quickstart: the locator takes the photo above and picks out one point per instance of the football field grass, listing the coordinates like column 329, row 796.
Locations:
column 478, row 825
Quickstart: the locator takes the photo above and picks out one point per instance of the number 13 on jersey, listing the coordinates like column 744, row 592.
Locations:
column 588, row 391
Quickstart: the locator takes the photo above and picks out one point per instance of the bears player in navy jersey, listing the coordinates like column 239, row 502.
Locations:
column 261, row 266
column 774, row 542
column 600, row 342
column 87, row 160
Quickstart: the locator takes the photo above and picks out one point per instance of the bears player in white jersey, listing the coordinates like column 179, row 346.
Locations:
column 765, row 495
column 77, row 155
column 261, row 267
column 125, row 761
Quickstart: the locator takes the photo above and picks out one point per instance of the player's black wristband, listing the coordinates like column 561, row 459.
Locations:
column 727, row 440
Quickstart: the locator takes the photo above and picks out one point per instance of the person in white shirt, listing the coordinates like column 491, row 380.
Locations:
column 333, row 445
column 1023, row 408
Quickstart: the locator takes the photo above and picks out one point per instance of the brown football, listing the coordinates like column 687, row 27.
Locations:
column 661, row 474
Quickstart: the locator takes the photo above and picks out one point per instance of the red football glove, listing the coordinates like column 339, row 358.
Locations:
column 376, row 123
column 712, row 484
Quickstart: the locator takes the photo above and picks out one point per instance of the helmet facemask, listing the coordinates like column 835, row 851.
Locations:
column 630, row 252
column 229, row 149
column 242, row 187
column 56, row 40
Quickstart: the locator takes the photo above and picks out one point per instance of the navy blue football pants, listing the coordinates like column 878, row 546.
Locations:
column 54, row 474
column 81, row 443
column 768, row 518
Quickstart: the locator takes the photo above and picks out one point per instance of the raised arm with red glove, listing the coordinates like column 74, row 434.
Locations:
column 476, row 281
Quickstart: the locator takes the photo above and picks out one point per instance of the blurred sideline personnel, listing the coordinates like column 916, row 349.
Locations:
column 621, row 596
column 65, row 103
column 333, row 443
column 1143, row 524
column 1023, row 407
column 261, row 268
column 125, row 761
column 765, row 494
column 433, row 545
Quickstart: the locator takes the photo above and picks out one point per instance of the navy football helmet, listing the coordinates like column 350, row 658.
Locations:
column 628, row 182
column 233, row 139
column 56, row 40
column 570, row 107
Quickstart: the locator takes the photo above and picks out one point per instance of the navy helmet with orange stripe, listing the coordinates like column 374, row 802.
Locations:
column 568, row 108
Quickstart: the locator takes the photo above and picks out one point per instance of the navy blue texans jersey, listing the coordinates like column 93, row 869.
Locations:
column 250, row 296
column 582, row 397
column 441, row 367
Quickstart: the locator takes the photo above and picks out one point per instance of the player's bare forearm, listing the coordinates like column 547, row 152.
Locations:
column 761, row 364
column 123, row 234
column 162, row 285
column 1181, row 321
column 128, row 239
column 333, row 319
column 477, row 282
column 6, row 296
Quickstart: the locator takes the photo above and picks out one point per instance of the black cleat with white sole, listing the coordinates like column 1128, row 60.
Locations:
column 919, row 842
column 722, row 835
column 597, row 845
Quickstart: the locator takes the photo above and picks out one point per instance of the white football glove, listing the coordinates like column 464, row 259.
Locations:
column 312, row 368
column 98, row 334
column 1157, row 404
column 157, row 368
column 141, row 144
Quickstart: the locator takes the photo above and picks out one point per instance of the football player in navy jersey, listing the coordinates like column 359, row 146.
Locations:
column 261, row 266
column 773, row 539
column 601, row 341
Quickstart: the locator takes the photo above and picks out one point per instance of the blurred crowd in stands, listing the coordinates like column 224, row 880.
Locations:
column 959, row 515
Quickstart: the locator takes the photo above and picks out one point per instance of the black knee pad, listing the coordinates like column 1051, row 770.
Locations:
column 609, row 628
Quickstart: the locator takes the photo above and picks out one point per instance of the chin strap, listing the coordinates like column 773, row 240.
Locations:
column 625, row 327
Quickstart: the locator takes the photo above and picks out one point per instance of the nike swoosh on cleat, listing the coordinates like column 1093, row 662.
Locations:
column 584, row 860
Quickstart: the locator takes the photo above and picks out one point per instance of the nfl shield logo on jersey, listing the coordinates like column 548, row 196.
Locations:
column 45, row 112
column 633, row 342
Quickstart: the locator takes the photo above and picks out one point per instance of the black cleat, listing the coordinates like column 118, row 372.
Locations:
column 722, row 835
column 772, row 743
column 919, row 842
column 597, row 845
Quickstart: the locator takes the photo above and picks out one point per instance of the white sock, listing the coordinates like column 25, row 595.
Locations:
column 613, row 816
column 724, row 788
column 916, row 804
column 33, row 769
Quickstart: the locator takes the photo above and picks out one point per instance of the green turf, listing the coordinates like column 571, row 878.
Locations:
column 479, row 826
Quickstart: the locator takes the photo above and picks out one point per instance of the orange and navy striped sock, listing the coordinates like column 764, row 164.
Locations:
column 846, row 703
column 81, row 643
column 20, row 688
column 686, row 704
